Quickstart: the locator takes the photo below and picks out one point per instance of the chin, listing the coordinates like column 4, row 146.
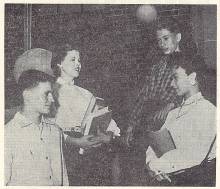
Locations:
column 179, row 94
column 75, row 75
column 46, row 111
column 167, row 52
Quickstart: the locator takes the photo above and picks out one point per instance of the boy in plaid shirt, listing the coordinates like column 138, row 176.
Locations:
column 157, row 97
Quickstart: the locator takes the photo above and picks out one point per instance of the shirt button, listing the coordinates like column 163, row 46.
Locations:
column 41, row 138
column 46, row 157
column 50, row 177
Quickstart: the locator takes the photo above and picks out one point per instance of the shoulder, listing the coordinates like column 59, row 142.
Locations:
column 206, row 106
column 173, row 113
column 14, row 123
column 84, row 91
column 12, row 129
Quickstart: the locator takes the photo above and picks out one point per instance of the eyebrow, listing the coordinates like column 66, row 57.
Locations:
column 162, row 37
column 49, row 91
column 166, row 35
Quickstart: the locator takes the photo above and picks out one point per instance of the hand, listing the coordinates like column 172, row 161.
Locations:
column 104, row 137
column 129, row 136
column 162, row 176
column 161, row 115
column 158, row 175
column 87, row 141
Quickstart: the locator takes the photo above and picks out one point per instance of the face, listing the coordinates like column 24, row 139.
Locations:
column 168, row 42
column 71, row 64
column 40, row 98
column 181, row 82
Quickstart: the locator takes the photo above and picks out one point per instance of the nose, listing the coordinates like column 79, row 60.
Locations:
column 50, row 97
column 163, row 43
column 77, row 63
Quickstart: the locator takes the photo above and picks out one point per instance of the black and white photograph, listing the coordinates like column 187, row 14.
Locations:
column 110, row 94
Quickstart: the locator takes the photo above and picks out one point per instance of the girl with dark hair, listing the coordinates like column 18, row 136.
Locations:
column 73, row 102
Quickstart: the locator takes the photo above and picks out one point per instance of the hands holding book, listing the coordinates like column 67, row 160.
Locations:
column 157, row 175
column 90, row 141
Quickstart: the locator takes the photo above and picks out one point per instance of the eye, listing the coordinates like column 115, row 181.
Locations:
column 47, row 93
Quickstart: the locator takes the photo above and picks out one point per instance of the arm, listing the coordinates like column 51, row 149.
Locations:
column 84, row 141
column 192, row 147
column 135, row 116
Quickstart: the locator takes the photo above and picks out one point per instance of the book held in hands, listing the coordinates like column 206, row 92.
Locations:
column 97, row 117
column 161, row 141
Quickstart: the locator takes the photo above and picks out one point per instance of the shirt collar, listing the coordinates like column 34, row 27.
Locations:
column 61, row 81
column 24, row 122
column 193, row 99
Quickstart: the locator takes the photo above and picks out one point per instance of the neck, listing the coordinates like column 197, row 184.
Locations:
column 192, row 92
column 66, row 77
column 31, row 115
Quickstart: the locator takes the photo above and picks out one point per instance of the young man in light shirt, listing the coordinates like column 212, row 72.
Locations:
column 34, row 144
column 192, row 125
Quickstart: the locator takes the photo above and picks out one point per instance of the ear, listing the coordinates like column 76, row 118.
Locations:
column 26, row 94
column 178, row 37
column 192, row 78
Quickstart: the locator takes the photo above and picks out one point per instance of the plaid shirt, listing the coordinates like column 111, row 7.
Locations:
column 156, row 90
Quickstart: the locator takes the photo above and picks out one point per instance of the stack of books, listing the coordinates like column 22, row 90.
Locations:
column 97, row 117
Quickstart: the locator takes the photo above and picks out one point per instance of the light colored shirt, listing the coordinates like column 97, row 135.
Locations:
column 33, row 153
column 193, row 128
column 73, row 103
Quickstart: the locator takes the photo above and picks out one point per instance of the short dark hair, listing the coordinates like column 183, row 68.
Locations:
column 58, row 56
column 170, row 24
column 190, row 65
column 31, row 78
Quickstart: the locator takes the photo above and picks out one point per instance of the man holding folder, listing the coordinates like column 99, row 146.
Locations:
column 192, row 126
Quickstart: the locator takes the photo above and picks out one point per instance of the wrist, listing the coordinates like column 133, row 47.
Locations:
column 108, row 137
column 72, row 140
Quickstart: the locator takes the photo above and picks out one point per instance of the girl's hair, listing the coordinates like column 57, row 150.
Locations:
column 58, row 56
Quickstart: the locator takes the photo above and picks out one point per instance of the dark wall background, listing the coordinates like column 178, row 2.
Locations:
column 115, row 47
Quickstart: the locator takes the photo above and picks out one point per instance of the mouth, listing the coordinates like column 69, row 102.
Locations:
column 77, row 69
column 165, row 50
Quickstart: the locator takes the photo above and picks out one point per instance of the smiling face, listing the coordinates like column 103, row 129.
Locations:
column 168, row 41
column 71, row 66
column 181, row 82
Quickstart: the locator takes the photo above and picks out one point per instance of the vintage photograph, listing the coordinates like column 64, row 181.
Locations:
column 110, row 94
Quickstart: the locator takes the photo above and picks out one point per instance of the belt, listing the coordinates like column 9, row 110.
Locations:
column 74, row 129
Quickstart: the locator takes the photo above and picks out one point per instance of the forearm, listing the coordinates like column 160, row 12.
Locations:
column 175, row 160
column 73, row 141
